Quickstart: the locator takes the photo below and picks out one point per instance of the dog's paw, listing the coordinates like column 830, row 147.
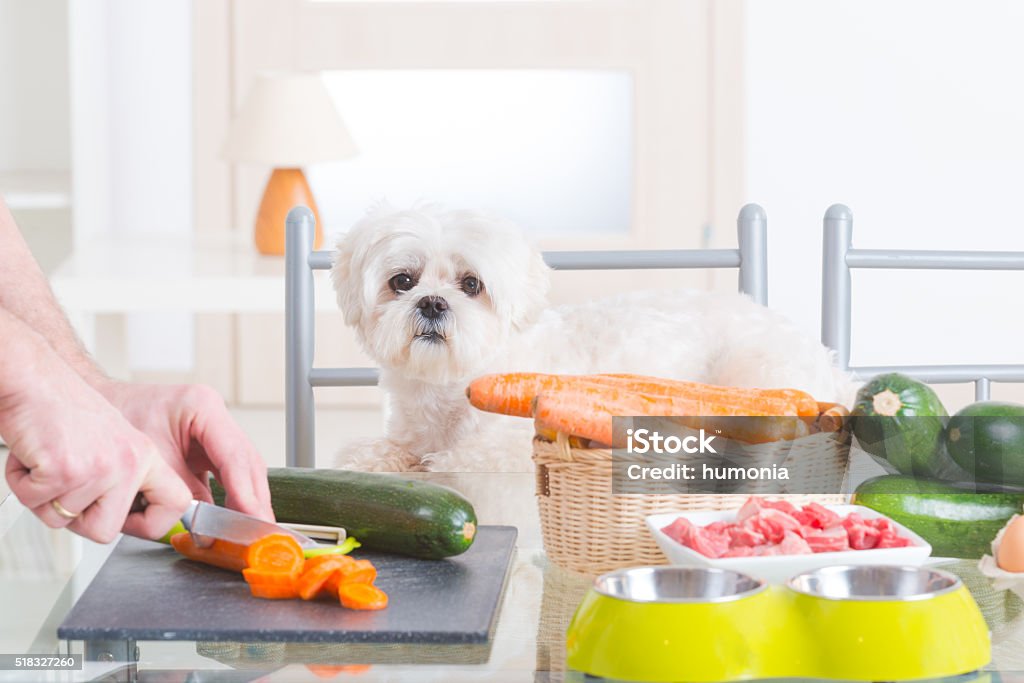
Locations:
column 377, row 455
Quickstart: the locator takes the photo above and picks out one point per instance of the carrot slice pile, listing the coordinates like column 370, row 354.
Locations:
column 362, row 596
column 313, row 578
column 275, row 569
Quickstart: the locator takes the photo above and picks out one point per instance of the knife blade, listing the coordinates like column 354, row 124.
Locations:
column 213, row 521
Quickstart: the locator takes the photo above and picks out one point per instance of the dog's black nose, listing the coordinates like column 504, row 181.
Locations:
column 432, row 306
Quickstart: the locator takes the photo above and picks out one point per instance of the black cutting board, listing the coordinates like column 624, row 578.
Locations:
column 146, row 591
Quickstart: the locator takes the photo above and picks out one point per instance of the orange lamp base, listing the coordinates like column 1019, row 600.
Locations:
column 286, row 188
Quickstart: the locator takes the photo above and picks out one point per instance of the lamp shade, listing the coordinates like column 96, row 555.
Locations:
column 287, row 120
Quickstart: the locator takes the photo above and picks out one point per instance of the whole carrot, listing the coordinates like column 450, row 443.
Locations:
column 221, row 554
column 784, row 401
column 587, row 411
column 513, row 393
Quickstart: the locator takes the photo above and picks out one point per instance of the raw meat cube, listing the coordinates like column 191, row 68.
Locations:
column 719, row 527
column 742, row 537
column 823, row 517
column 828, row 540
column 780, row 505
column 772, row 524
column 740, row 551
column 794, row 545
column 751, row 507
column 696, row 538
column 863, row 536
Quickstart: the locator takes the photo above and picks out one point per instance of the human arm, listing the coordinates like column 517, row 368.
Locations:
column 69, row 444
column 189, row 424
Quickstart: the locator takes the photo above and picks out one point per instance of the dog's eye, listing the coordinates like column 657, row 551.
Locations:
column 401, row 283
column 471, row 286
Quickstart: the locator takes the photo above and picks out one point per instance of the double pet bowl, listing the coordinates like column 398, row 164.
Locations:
column 853, row 623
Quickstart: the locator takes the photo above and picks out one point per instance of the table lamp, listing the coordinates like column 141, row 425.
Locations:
column 286, row 121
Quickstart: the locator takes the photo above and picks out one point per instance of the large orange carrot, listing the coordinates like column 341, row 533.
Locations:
column 513, row 393
column 587, row 411
column 221, row 554
column 784, row 401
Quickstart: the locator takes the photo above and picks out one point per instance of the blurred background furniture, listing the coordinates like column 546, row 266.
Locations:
column 271, row 128
column 840, row 257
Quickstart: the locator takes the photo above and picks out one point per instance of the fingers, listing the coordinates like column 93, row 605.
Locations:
column 237, row 464
column 168, row 498
column 74, row 501
column 42, row 483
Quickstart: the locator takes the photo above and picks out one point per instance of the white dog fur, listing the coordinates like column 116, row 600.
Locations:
column 391, row 260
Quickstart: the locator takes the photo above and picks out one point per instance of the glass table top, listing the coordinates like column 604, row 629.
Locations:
column 43, row 572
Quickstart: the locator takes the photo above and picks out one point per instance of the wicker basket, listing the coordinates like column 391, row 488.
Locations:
column 590, row 530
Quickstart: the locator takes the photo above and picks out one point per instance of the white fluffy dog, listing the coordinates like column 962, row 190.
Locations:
column 440, row 297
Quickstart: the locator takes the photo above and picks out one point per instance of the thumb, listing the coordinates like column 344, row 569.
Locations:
column 167, row 496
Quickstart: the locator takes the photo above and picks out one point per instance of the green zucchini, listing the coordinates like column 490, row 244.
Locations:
column 384, row 511
column 955, row 520
column 987, row 440
column 899, row 422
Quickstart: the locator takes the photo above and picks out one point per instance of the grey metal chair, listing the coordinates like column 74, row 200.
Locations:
column 840, row 257
column 751, row 258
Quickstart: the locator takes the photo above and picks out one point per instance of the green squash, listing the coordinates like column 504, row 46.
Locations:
column 900, row 422
column 987, row 440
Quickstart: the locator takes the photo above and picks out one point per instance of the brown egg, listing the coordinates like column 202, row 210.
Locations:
column 1011, row 550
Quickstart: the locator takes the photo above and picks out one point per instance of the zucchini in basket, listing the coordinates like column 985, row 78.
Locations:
column 383, row 511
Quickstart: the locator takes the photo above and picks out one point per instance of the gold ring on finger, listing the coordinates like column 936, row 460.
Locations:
column 63, row 511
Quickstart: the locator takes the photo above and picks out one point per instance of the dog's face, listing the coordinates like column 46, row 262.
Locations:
column 435, row 295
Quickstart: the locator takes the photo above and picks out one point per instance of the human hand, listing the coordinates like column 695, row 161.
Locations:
column 70, row 447
column 195, row 434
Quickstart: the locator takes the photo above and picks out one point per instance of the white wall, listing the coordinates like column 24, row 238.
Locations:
column 33, row 101
column 912, row 113
column 132, row 137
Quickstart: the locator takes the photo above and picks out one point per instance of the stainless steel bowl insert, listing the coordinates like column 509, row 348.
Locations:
column 874, row 582
column 677, row 585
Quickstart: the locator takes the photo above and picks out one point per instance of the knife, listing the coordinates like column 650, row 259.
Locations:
column 215, row 522
column 208, row 522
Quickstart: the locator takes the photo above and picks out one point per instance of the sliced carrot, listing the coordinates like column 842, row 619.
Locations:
column 269, row 591
column 361, row 571
column 345, row 560
column 276, row 552
column 221, row 554
column 362, row 596
column 270, row 578
column 330, row 587
column 312, row 580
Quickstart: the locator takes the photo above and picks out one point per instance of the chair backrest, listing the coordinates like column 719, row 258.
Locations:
column 751, row 258
column 840, row 257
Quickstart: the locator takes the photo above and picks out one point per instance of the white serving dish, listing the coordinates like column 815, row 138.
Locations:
column 779, row 568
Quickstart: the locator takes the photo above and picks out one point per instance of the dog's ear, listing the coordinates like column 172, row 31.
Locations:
column 533, row 295
column 346, row 281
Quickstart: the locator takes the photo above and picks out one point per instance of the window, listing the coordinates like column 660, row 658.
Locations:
column 551, row 150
